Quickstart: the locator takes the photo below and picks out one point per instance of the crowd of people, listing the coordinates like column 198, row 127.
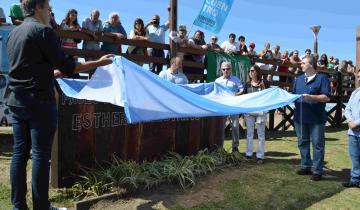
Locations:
column 154, row 31
column 31, row 99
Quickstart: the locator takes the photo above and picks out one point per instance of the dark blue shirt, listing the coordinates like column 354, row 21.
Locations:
column 311, row 112
column 34, row 53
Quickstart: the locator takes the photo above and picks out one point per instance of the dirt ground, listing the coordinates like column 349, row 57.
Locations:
column 205, row 190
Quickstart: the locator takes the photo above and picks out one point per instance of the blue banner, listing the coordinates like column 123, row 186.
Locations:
column 213, row 14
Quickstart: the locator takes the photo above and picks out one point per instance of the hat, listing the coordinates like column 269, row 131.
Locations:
column 252, row 45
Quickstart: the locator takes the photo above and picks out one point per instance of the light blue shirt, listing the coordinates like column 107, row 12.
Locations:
column 176, row 78
column 91, row 26
column 157, row 34
column 352, row 111
column 232, row 83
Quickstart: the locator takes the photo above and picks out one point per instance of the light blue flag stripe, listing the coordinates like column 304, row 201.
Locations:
column 147, row 97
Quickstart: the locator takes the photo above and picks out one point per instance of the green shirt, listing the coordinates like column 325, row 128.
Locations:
column 16, row 12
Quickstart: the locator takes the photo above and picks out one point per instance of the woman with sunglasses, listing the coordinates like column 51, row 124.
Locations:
column 255, row 84
column 138, row 33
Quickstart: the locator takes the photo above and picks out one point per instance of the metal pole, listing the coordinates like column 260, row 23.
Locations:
column 173, row 26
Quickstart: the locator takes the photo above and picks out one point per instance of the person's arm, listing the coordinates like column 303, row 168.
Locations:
column 103, row 61
column 320, row 98
column 47, row 42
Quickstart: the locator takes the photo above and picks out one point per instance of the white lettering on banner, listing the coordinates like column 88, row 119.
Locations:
column 97, row 120
column 73, row 101
column 107, row 120
column 212, row 6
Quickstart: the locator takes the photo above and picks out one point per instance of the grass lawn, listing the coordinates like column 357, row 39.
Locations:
column 272, row 185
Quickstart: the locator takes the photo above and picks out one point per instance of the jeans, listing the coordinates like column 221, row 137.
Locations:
column 315, row 133
column 354, row 151
column 250, row 126
column 33, row 129
column 156, row 67
column 234, row 120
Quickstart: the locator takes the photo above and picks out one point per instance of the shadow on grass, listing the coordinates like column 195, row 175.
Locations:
column 279, row 154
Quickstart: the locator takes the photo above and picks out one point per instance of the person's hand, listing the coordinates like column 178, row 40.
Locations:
column 353, row 126
column 58, row 74
column 106, row 59
column 306, row 96
column 119, row 36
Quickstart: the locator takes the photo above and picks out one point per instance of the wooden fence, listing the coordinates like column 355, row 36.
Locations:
column 340, row 86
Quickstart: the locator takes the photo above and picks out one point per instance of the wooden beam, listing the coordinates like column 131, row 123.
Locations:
column 173, row 26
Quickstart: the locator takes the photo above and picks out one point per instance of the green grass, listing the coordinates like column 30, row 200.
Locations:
column 274, row 184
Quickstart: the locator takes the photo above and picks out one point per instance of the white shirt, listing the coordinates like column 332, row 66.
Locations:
column 157, row 34
column 176, row 78
column 230, row 47
column 232, row 83
column 276, row 56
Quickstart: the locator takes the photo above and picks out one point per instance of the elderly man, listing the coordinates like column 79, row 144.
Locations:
column 92, row 25
column 212, row 45
column 310, row 117
column 156, row 34
column 33, row 54
column 173, row 74
column 114, row 28
column 352, row 114
column 235, row 85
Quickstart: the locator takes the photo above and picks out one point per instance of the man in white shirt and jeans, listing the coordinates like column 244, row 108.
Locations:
column 235, row 85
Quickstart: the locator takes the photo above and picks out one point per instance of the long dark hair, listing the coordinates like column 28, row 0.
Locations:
column 142, row 31
column 325, row 61
column 258, row 76
column 67, row 17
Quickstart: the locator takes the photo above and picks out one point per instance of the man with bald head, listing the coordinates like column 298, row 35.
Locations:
column 92, row 25
column 156, row 34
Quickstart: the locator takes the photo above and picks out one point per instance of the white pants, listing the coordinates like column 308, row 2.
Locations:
column 250, row 125
column 234, row 121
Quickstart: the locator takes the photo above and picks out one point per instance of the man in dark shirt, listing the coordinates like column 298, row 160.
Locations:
column 310, row 117
column 33, row 55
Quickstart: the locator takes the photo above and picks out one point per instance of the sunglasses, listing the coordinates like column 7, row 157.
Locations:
column 224, row 69
column 213, row 38
column 252, row 70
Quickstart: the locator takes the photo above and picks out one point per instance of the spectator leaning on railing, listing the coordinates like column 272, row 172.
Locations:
column 70, row 23
column 16, row 14
column 243, row 50
column 212, row 45
column 113, row 28
column 180, row 37
column 92, row 25
column 156, row 34
column 251, row 50
column 138, row 33
column 230, row 46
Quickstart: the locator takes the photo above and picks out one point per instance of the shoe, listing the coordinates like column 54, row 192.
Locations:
column 304, row 172
column 248, row 157
column 259, row 161
column 54, row 208
column 351, row 185
column 235, row 149
column 316, row 177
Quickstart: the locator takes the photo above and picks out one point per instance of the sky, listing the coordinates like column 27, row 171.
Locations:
column 282, row 22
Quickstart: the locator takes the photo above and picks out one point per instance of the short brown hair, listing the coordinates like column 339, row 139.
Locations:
column 28, row 6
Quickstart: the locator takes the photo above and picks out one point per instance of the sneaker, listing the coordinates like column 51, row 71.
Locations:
column 304, row 172
column 316, row 177
column 235, row 149
column 54, row 208
column 259, row 161
column 351, row 185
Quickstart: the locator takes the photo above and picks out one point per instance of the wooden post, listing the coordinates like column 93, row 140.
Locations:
column 173, row 26
column 339, row 99
column 357, row 53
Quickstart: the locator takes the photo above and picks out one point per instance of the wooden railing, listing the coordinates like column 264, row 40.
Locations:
column 335, row 117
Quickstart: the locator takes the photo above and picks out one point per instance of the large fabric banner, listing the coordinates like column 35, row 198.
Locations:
column 213, row 14
column 147, row 97
column 240, row 65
